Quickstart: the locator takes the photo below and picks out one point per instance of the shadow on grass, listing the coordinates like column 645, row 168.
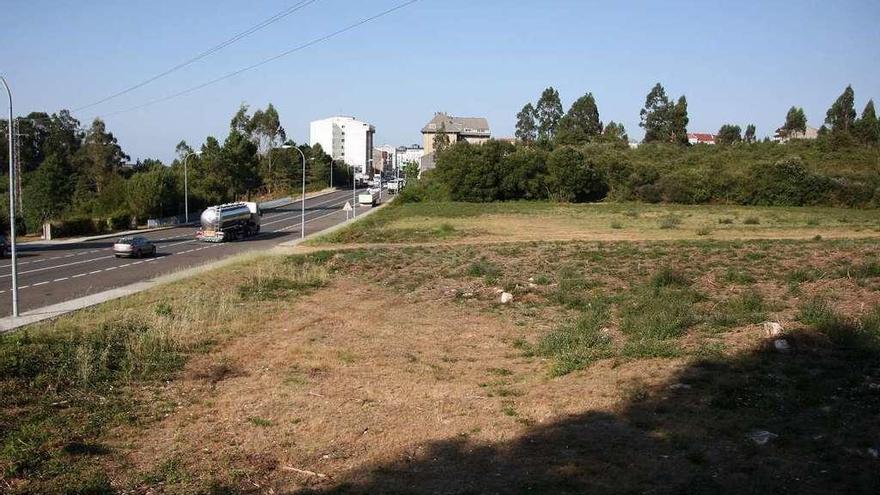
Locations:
column 692, row 435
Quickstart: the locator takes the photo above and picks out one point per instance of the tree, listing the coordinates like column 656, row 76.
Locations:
column 47, row 191
column 526, row 128
column 795, row 121
column 679, row 121
column 581, row 124
column 867, row 128
column 152, row 193
column 441, row 139
column 842, row 114
column 548, row 112
column 655, row 115
column 101, row 155
column 615, row 133
column 750, row 134
column 570, row 178
column 729, row 134
column 411, row 170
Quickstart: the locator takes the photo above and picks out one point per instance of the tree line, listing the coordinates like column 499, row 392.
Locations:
column 573, row 157
column 82, row 180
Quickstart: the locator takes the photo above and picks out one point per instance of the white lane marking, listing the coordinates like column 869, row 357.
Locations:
column 95, row 271
column 35, row 270
column 41, row 283
column 62, row 279
column 79, row 275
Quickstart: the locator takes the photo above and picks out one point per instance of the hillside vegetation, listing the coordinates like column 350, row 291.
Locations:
column 792, row 174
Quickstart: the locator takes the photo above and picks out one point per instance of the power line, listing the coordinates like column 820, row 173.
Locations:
column 267, row 60
column 214, row 49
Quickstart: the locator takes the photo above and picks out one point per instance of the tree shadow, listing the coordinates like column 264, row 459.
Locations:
column 690, row 435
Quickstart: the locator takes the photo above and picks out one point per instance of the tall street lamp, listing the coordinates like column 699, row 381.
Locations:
column 186, row 185
column 302, row 222
column 12, row 206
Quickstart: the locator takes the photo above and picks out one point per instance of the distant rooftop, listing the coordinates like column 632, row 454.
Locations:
column 460, row 125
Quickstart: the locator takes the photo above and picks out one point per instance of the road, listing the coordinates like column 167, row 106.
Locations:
column 53, row 273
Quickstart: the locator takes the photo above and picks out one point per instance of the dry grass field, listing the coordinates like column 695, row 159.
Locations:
column 618, row 367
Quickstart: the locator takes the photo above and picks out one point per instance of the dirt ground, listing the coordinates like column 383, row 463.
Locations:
column 355, row 377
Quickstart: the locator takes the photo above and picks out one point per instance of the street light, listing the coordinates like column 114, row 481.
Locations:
column 186, row 185
column 302, row 222
column 12, row 207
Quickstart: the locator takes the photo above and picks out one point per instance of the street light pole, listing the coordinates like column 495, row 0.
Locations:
column 12, row 252
column 302, row 222
column 186, row 185
column 331, row 172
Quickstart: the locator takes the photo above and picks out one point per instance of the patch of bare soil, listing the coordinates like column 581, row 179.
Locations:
column 352, row 377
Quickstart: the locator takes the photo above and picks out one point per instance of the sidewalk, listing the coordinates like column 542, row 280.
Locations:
column 275, row 203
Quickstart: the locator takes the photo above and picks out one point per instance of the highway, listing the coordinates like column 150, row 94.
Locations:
column 53, row 273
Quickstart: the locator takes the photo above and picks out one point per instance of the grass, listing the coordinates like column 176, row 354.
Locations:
column 746, row 308
column 616, row 311
column 541, row 220
column 71, row 379
column 856, row 333
column 574, row 346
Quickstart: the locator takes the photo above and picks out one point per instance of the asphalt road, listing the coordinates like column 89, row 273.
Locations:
column 53, row 273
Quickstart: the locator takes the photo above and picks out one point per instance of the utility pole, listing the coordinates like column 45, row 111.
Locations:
column 12, row 252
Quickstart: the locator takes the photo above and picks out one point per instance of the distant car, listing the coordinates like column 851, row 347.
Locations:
column 3, row 247
column 134, row 247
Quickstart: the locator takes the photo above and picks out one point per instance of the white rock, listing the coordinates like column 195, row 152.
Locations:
column 782, row 345
column 506, row 297
column 761, row 437
column 773, row 329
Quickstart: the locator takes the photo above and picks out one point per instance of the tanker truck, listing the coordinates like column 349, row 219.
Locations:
column 229, row 222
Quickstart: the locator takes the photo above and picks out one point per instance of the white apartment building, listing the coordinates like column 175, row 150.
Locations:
column 345, row 139
column 407, row 154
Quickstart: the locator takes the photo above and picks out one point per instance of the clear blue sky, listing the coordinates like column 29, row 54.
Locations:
column 739, row 62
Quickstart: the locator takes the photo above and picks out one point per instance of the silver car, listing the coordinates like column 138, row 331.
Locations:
column 134, row 247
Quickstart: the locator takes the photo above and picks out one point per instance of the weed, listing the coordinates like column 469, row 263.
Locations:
column 616, row 225
column 164, row 309
column 273, row 287
column 670, row 221
column 801, row 275
column 261, row 422
column 576, row 345
column 509, row 410
column 541, row 280
column 752, row 221
column 813, row 221
column 725, row 221
column 484, row 268
column 737, row 276
column 864, row 270
column 845, row 332
column 500, row 371
column 636, row 392
column 658, row 314
column 745, row 308
column 669, row 277
column 704, row 231
column 572, row 288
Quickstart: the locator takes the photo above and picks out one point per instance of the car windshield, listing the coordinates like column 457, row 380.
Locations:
column 125, row 240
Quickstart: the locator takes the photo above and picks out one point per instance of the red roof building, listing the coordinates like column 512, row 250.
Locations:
column 701, row 138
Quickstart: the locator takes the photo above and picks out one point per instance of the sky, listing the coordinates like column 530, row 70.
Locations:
column 743, row 62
